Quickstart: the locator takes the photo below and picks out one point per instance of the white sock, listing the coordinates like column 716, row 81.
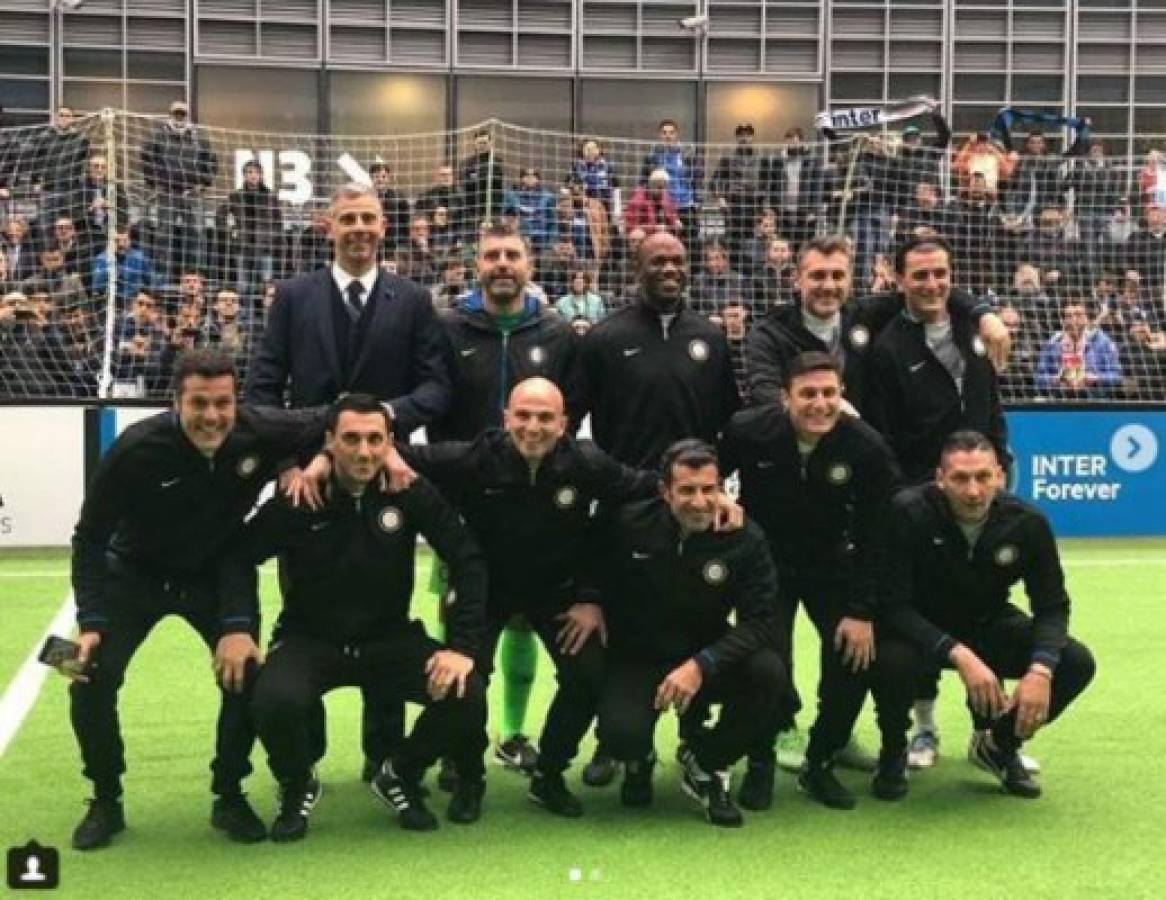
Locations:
column 925, row 716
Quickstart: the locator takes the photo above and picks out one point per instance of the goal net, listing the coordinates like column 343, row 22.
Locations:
column 130, row 238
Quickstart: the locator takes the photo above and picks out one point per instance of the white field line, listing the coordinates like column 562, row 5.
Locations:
column 22, row 691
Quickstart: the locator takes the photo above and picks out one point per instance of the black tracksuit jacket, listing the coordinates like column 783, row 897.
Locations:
column 532, row 527
column 938, row 591
column 346, row 570
column 487, row 363
column 649, row 385
column 776, row 339
column 167, row 510
column 825, row 520
column 916, row 404
column 667, row 598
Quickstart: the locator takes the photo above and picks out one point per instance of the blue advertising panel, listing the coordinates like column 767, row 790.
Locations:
column 1094, row 474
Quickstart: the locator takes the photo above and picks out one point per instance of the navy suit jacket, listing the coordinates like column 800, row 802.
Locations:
column 403, row 359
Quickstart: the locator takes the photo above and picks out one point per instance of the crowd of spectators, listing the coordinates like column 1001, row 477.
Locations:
column 1071, row 246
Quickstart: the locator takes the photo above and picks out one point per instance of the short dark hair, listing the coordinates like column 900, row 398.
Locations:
column 810, row 361
column 252, row 164
column 500, row 229
column 966, row 440
column 380, row 167
column 357, row 403
column 826, row 245
column 671, row 122
column 690, row 453
column 204, row 362
column 919, row 242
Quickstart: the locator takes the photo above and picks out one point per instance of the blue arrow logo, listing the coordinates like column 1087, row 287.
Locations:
column 1134, row 448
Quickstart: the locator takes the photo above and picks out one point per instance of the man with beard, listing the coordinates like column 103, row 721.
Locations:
column 655, row 373
column 823, row 320
column 500, row 335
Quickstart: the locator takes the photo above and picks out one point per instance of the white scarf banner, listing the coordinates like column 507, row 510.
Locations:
column 870, row 116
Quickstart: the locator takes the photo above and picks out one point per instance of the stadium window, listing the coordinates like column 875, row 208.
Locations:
column 91, row 96
column 633, row 107
column 380, row 103
column 533, row 102
column 1039, row 88
column 986, row 87
column 770, row 108
column 276, row 99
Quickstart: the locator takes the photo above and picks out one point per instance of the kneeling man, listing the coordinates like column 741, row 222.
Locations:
column 957, row 547
column 347, row 580
column 669, row 585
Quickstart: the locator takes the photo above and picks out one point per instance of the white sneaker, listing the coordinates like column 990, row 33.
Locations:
column 1030, row 765
column 791, row 750
column 924, row 750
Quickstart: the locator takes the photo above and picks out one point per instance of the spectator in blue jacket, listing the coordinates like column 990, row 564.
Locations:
column 1079, row 361
column 535, row 207
column 134, row 269
column 685, row 174
column 594, row 171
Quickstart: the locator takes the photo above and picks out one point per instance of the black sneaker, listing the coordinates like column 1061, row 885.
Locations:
column 709, row 791
column 1007, row 766
column 296, row 802
column 600, row 772
column 234, row 815
column 104, row 819
column 517, row 753
column 465, row 806
column 636, row 790
column 404, row 799
column 447, row 775
column 756, row 791
column 369, row 770
column 819, row 781
column 549, row 791
column 890, row 780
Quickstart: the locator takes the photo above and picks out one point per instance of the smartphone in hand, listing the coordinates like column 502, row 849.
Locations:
column 61, row 654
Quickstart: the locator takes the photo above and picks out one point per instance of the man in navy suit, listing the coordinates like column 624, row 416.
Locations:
column 350, row 328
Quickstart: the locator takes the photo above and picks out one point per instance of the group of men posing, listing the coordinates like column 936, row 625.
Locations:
column 869, row 456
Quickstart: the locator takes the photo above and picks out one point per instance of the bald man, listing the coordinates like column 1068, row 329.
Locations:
column 655, row 373
column 526, row 492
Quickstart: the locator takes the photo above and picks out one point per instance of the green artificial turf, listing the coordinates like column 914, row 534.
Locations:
column 1097, row 832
